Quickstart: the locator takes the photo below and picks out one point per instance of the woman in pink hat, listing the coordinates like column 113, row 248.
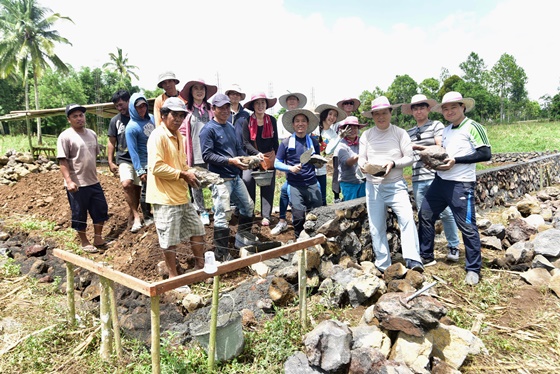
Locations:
column 196, row 94
column 260, row 138
column 350, row 177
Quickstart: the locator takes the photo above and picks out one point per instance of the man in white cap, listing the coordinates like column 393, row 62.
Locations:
column 168, row 179
column 221, row 151
column 388, row 147
column 168, row 82
column 238, row 115
column 466, row 143
column 426, row 133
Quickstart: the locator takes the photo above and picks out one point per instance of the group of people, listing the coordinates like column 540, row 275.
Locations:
column 157, row 157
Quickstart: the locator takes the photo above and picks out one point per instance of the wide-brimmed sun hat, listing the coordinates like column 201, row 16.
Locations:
column 379, row 103
column 259, row 95
column 235, row 88
column 357, row 103
column 341, row 115
column 302, row 99
column 210, row 89
column 288, row 117
column 455, row 97
column 418, row 99
column 351, row 121
column 174, row 104
column 165, row 76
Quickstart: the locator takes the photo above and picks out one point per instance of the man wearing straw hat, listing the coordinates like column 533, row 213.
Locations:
column 168, row 179
column 168, row 82
column 304, row 189
column 428, row 132
column 388, row 147
column 466, row 143
column 221, row 151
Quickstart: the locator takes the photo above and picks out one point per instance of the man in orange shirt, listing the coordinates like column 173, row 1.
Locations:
column 168, row 82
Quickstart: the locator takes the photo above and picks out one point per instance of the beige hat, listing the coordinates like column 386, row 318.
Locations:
column 417, row 99
column 379, row 103
column 165, row 76
column 235, row 88
column 321, row 108
column 454, row 97
column 357, row 103
column 302, row 100
column 288, row 117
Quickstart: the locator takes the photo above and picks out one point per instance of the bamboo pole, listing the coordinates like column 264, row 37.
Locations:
column 115, row 319
column 154, row 301
column 213, row 324
column 70, row 293
column 105, row 317
column 303, row 288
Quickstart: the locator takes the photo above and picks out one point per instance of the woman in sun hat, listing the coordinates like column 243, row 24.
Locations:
column 260, row 138
column 350, row 177
column 328, row 116
column 196, row 94
column 304, row 190
column 388, row 146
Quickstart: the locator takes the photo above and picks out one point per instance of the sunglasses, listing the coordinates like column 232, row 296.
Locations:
column 418, row 134
column 348, row 103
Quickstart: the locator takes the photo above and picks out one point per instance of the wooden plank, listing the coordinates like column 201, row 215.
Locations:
column 129, row 281
column 197, row 276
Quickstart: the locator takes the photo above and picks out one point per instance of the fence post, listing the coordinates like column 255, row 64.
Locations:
column 303, row 288
column 115, row 319
column 156, row 368
column 105, row 316
column 213, row 323
column 70, row 293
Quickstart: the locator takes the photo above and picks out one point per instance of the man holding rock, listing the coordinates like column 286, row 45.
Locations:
column 466, row 143
column 427, row 133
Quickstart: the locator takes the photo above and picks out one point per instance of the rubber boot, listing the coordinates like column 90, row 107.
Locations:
column 221, row 239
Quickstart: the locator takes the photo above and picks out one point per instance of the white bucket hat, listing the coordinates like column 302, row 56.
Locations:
column 289, row 116
column 302, row 100
column 418, row 99
column 235, row 88
column 455, row 97
column 165, row 76
column 379, row 103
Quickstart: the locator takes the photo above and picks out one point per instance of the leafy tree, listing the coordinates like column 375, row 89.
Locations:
column 486, row 103
column 508, row 81
column 366, row 97
column 474, row 70
column 555, row 107
column 401, row 91
column 429, row 87
column 443, row 74
column 448, row 86
column 27, row 44
column 12, row 97
column 120, row 64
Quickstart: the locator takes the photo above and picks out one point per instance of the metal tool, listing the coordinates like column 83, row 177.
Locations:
column 416, row 294
column 306, row 156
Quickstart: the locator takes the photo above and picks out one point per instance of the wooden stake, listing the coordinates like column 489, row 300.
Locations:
column 70, row 293
column 213, row 324
column 105, row 317
column 303, row 288
column 115, row 319
column 156, row 369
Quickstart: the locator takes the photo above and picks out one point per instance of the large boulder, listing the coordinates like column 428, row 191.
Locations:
column 328, row 345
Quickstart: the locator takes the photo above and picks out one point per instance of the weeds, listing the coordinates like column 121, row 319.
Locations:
column 10, row 268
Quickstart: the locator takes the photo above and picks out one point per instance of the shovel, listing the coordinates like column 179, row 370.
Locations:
column 406, row 301
column 306, row 156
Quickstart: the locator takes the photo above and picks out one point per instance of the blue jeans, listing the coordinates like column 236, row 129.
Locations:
column 378, row 198
column 459, row 196
column 231, row 191
column 303, row 198
column 449, row 227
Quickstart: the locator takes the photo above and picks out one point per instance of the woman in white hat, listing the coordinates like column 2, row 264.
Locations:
column 328, row 116
column 260, row 138
column 350, row 177
column 196, row 94
column 389, row 147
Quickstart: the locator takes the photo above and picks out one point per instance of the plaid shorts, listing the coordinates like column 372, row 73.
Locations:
column 176, row 224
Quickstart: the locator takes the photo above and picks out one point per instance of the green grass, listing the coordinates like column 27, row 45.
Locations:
column 524, row 137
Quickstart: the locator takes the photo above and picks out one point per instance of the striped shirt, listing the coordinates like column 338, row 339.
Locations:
column 424, row 135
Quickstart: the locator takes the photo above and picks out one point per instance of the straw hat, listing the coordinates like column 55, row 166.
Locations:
column 210, row 89
column 321, row 108
column 455, row 97
column 235, row 88
column 379, row 103
column 302, row 100
column 417, row 99
column 288, row 117
column 357, row 103
column 259, row 95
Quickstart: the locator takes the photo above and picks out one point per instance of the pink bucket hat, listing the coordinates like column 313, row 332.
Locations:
column 417, row 99
column 259, row 95
column 455, row 97
column 357, row 103
column 210, row 89
column 379, row 103
column 350, row 121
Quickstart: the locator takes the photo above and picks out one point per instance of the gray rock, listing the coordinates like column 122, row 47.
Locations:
column 362, row 288
column 453, row 344
column 534, row 220
column 537, row 277
column 511, row 214
column 370, row 337
column 328, row 345
column 433, row 155
column 414, row 351
column 497, row 229
column 518, row 230
column 395, row 271
column 554, row 284
column 38, row 267
column 298, row 364
column 491, row 242
column 546, row 243
column 520, row 252
column 483, row 223
column 528, row 206
column 541, row 262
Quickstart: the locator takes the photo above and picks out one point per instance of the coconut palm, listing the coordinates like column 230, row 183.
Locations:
column 120, row 64
column 27, row 43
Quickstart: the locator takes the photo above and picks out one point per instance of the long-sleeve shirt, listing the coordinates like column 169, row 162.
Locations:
column 262, row 145
column 219, row 143
column 380, row 147
column 289, row 154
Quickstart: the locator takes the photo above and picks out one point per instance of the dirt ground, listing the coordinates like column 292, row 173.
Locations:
column 43, row 197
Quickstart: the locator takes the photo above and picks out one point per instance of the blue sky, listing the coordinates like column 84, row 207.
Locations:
column 333, row 49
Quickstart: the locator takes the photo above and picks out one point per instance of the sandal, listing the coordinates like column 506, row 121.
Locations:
column 89, row 248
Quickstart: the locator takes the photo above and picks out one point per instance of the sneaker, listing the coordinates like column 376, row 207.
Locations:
column 415, row 265
column 148, row 221
column 280, row 227
column 453, row 254
column 265, row 222
column 136, row 227
column 472, row 278
column 428, row 262
column 205, row 218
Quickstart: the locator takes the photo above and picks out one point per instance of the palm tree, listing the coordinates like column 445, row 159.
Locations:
column 27, row 44
column 120, row 65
